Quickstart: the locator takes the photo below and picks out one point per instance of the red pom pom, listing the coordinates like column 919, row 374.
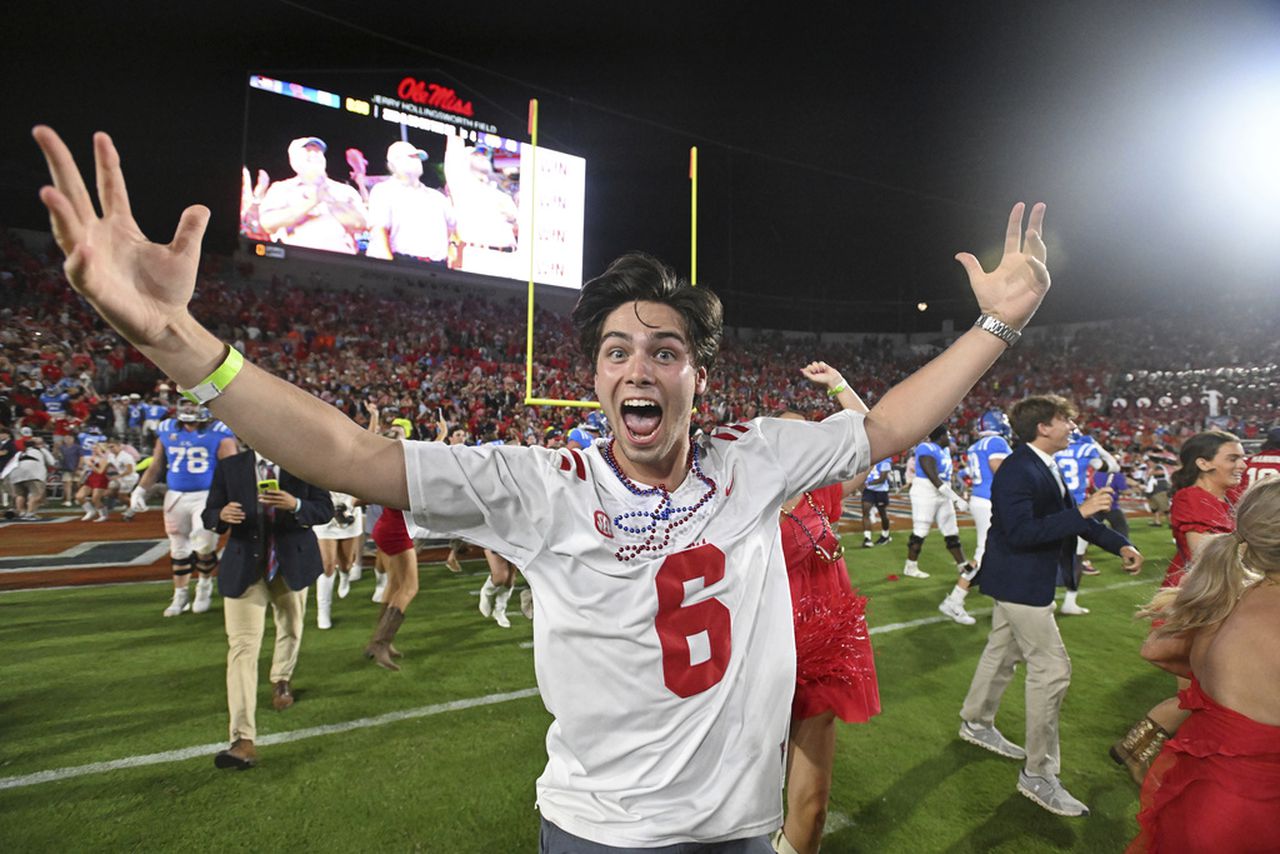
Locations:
column 832, row 642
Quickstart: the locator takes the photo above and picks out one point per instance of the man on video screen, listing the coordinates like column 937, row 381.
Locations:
column 309, row 209
column 486, row 215
column 408, row 219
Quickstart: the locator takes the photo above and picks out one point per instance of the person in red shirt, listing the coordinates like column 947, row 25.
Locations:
column 1212, row 464
column 1264, row 464
column 835, row 665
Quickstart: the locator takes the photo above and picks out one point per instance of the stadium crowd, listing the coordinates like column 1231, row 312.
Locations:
column 430, row 351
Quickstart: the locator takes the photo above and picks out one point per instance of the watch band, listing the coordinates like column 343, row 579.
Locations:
column 998, row 328
column 216, row 382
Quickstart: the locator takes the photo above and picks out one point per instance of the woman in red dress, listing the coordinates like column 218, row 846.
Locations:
column 835, row 667
column 1212, row 464
column 398, row 558
column 1216, row 785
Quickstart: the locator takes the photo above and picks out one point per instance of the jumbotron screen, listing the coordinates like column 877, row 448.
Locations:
column 414, row 175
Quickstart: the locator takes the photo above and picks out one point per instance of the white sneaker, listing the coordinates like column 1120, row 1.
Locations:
column 1072, row 610
column 204, row 595
column 914, row 572
column 989, row 738
column 1049, row 793
column 357, row 572
column 379, row 588
column 956, row 611
column 89, row 514
column 344, row 584
column 500, row 617
column 181, row 602
column 102, row 516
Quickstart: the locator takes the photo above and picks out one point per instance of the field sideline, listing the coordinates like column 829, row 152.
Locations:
column 443, row 756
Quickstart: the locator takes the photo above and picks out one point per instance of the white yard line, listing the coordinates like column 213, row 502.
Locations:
column 199, row 750
column 277, row 738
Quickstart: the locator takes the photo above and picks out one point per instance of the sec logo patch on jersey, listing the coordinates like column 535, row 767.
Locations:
column 603, row 524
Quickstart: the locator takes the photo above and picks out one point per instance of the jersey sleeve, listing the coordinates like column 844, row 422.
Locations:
column 494, row 496
column 817, row 453
column 998, row 449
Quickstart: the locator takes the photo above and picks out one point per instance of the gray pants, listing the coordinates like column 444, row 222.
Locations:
column 1024, row 633
column 553, row 840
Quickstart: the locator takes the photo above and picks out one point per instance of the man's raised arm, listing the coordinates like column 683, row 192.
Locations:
column 143, row 289
column 1009, row 295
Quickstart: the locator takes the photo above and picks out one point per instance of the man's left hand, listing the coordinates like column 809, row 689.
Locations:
column 1131, row 559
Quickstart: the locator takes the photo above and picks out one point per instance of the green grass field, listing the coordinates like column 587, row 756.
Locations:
column 441, row 756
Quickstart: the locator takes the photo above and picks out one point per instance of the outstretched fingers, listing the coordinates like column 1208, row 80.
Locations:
column 111, row 189
column 1013, row 234
column 66, row 176
column 68, row 231
column 190, row 231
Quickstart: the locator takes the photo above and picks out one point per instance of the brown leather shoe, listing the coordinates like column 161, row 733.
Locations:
column 241, row 756
column 283, row 697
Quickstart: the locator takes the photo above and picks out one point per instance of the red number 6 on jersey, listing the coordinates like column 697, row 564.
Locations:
column 677, row 623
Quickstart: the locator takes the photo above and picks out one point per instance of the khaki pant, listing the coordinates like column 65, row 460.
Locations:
column 246, row 620
column 1024, row 633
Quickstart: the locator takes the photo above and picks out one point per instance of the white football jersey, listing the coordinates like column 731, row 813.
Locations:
column 663, row 645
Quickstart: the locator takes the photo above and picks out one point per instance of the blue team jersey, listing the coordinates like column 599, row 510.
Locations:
column 1074, row 465
column 55, row 402
column 582, row 437
column 941, row 455
column 979, row 458
column 190, row 455
column 87, row 440
column 136, row 411
column 880, row 470
column 155, row 412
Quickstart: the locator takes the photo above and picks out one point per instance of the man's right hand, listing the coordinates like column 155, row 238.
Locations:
column 231, row 513
column 1098, row 502
column 141, row 288
column 138, row 499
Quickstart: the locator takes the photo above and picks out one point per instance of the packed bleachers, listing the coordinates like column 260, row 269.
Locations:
column 441, row 350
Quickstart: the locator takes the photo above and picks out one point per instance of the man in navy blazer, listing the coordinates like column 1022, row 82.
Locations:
column 1034, row 525
column 271, row 558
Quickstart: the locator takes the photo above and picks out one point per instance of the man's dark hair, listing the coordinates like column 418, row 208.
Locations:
column 636, row 276
column 1029, row 413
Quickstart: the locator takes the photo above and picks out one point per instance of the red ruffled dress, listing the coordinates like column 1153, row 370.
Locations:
column 835, row 665
column 1215, row 786
column 1198, row 510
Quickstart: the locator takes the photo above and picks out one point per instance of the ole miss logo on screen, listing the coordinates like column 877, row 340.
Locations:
column 433, row 95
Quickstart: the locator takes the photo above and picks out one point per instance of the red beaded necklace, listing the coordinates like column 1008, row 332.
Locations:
column 828, row 557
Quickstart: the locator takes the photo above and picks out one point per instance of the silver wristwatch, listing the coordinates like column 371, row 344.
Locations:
column 998, row 328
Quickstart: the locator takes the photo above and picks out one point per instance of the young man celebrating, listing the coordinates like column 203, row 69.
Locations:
column 670, row 698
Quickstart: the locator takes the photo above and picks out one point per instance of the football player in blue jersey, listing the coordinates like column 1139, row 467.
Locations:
column 875, row 493
column 191, row 445
column 1076, row 464
column 934, row 502
column 591, row 428
column 983, row 458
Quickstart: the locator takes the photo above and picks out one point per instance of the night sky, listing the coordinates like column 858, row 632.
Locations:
column 847, row 151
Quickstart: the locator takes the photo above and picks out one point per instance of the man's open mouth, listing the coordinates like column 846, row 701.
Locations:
column 642, row 418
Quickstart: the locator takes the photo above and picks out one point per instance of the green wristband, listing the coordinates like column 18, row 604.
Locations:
column 216, row 382
column 832, row 392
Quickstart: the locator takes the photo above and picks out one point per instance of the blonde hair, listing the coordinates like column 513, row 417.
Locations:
column 1227, row 566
